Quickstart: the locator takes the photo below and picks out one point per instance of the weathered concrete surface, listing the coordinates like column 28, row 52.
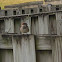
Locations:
column 24, row 48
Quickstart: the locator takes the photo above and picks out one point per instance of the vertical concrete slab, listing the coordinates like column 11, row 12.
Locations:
column 46, row 24
column 17, row 24
column 44, row 56
column 6, row 55
column 41, row 24
column 59, row 27
column 2, row 26
column 34, row 25
column 56, row 50
column 2, row 12
column 61, row 47
column 24, row 48
column 52, row 24
column 9, row 25
column 59, row 22
column 59, row 16
column 9, row 12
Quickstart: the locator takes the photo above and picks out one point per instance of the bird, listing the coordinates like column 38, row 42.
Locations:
column 24, row 28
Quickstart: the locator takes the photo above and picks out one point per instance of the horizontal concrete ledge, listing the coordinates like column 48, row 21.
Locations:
column 34, row 14
column 39, row 35
column 6, row 47
column 49, row 35
column 12, row 34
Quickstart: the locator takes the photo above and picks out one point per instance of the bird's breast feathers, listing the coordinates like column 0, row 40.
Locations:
column 24, row 29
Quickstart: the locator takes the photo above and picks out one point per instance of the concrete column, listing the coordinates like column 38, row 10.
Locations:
column 24, row 48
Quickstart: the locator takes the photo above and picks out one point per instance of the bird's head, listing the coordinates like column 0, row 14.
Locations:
column 24, row 24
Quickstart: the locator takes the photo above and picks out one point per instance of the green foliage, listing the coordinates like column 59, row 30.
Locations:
column 10, row 2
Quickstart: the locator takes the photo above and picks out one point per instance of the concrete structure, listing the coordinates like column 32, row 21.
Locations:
column 43, row 42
